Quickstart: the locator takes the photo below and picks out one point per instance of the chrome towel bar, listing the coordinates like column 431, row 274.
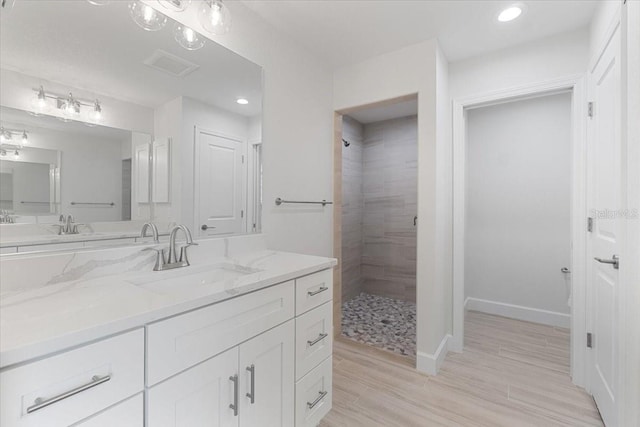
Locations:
column 280, row 201
column 93, row 203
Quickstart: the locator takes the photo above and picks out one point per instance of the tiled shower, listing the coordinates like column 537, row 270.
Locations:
column 379, row 205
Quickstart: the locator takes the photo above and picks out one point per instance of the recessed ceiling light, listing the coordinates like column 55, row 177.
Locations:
column 242, row 101
column 510, row 13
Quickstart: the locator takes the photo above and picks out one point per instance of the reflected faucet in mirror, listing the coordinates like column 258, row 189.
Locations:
column 67, row 225
column 154, row 231
column 5, row 217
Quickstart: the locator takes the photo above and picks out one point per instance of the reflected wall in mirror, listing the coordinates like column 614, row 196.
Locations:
column 139, row 127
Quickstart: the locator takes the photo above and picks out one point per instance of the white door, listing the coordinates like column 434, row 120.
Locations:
column 220, row 200
column 605, row 239
column 267, row 378
column 198, row 397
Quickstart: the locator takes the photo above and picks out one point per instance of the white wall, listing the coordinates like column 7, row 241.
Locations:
column 518, row 203
column 297, row 124
column 558, row 56
column 420, row 69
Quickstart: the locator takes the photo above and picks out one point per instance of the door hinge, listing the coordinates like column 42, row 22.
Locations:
column 241, row 214
column 589, row 340
column 590, row 224
column 590, row 109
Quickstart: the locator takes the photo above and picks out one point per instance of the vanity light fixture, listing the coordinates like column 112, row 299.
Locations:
column 242, row 101
column 187, row 37
column 25, row 138
column 96, row 114
column 70, row 106
column 510, row 13
column 215, row 17
column 175, row 5
column 6, row 135
column 16, row 154
column 3, row 153
column 146, row 17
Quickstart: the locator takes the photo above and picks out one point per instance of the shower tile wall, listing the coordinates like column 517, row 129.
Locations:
column 389, row 186
column 352, row 209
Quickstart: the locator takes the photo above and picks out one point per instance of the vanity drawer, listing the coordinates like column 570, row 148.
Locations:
column 76, row 384
column 129, row 413
column 314, row 338
column 313, row 290
column 314, row 394
column 176, row 344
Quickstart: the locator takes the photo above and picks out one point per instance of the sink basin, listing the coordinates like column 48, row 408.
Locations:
column 194, row 280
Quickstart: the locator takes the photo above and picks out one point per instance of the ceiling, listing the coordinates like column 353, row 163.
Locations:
column 347, row 31
column 385, row 112
column 101, row 50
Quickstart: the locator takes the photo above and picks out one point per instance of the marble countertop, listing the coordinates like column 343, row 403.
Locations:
column 49, row 239
column 45, row 320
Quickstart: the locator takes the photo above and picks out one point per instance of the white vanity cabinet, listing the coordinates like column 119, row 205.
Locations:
column 69, row 387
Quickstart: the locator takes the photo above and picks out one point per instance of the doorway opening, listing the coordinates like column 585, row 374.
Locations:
column 519, row 195
column 376, row 225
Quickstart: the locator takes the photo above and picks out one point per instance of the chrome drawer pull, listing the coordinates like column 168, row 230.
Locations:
column 317, row 340
column 39, row 403
column 322, row 289
column 234, row 405
column 252, row 394
column 321, row 396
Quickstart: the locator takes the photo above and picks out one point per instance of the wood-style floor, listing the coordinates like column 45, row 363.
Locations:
column 512, row 373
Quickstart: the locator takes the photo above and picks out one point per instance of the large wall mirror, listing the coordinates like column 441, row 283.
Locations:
column 109, row 125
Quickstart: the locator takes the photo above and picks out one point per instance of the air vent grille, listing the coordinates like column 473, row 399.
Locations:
column 170, row 64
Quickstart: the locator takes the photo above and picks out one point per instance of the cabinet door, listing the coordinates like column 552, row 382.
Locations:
column 267, row 362
column 198, row 397
column 129, row 413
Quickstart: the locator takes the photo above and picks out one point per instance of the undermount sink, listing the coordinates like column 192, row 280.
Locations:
column 194, row 279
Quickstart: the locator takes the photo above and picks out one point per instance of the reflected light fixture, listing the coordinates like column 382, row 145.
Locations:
column 96, row 113
column 187, row 37
column 146, row 17
column 242, row 101
column 16, row 154
column 175, row 5
column 25, row 138
column 3, row 153
column 215, row 17
column 5, row 136
column 70, row 107
column 510, row 13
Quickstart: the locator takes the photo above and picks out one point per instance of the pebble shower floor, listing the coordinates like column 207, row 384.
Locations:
column 381, row 322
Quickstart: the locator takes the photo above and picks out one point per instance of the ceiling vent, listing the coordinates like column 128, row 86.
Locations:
column 170, row 64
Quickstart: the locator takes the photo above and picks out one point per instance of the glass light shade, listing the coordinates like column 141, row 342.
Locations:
column 214, row 17
column 25, row 138
column 70, row 106
column 175, row 5
column 146, row 17
column 4, row 135
column 187, row 37
column 96, row 113
column 16, row 154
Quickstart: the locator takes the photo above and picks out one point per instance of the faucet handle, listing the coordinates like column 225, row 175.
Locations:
column 160, row 259
column 183, row 253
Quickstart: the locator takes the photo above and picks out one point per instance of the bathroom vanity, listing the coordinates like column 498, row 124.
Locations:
column 242, row 337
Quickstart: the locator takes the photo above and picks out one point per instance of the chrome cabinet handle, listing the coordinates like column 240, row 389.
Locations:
column 40, row 403
column 615, row 260
column 252, row 395
column 321, row 289
column 317, row 340
column 234, row 405
column 321, row 396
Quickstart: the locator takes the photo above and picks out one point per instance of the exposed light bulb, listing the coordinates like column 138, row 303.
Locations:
column 96, row 114
column 242, row 101
column 70, row 106
column 187, row 37
column 25, row 137
column 146, row 17
column 510, row 13
column 215, row 17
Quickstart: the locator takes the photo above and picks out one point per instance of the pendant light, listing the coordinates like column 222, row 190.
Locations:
column 187, row 37
column 175, row 5
column 215, row 17
column 146, row 17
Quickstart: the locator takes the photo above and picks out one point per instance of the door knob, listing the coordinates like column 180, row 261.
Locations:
column 204, row 227
column 615, row 260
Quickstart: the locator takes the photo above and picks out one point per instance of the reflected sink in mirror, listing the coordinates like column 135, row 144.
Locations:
column 194, row 280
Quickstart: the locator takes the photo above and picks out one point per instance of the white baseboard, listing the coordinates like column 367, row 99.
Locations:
column 430, row 363
column 519, row 312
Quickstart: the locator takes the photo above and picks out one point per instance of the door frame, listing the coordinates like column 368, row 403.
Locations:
column 576, row 85
column 197, row 130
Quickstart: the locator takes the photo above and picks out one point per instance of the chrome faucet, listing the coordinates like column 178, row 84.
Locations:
column 173, row 260
column 154, row 231
column 67, row 225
